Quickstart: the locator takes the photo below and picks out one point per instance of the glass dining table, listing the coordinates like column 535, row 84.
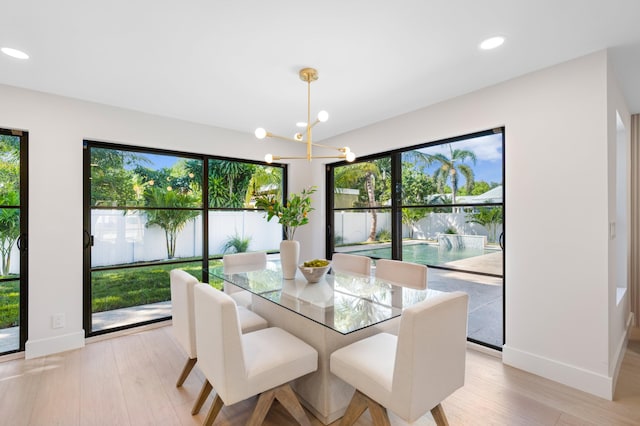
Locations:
column 341, row 308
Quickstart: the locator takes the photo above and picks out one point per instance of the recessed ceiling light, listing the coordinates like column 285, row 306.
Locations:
column 14, row 53
column 492, row 43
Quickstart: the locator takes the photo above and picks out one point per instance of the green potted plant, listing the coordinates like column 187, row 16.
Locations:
column 291, row 215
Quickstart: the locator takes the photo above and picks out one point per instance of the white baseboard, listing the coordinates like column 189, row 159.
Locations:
column 35, row 348
column 575, row 377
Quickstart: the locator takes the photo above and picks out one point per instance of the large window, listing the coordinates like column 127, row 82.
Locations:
column 13, row 240
column 439, row 204
column 150, row 211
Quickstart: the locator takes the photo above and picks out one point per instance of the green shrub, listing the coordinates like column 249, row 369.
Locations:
column 383, row 235
column 9, row 303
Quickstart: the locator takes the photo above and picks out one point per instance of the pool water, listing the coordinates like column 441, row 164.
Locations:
column 427, row 254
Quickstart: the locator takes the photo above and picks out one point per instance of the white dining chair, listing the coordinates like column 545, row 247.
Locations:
column 183, row 318
column 405, row 274
column 351, row 263
column 413, row 372
column 242, row 262
column 244, row 365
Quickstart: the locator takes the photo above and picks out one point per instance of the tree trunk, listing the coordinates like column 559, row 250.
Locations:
column 369, row 184
column 167, row 237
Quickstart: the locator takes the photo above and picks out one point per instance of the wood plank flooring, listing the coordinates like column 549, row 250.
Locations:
column 130, row 380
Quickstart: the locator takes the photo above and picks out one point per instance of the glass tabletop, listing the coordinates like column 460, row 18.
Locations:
column 343, row 301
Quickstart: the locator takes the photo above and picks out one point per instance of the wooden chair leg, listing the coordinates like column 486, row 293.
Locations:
column 262, row 408
column 290, row 402
column 379, row 413
column 438, row 415
column 202, row 397
column 356, row 407
column 213, row 411
column 185, row 371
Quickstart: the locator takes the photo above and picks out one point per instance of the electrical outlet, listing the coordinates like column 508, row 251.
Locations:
column 57, row 321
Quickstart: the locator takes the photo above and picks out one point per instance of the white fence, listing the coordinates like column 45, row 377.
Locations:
column 121, row 238
column 354, row 227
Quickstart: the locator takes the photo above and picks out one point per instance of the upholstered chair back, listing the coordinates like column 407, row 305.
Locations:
column 182, row 285
column 220, row 353
column 351, row 263
column 405, row 274
column 430, row 354
column 242, row 262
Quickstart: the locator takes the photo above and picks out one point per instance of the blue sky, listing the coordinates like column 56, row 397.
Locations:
column 488, row 150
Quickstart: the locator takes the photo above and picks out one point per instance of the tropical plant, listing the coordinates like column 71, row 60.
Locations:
column 383, row 235
column 9, row 199
column 351, row 175
column 451, row 166
column 411, row 217
column 111, row 179
column 265, row 180
column 236, row 244
column 292, row 214
column 228, row 182
column 172, row 213
column 450, row 230
column 490, row 218
column 9, row 228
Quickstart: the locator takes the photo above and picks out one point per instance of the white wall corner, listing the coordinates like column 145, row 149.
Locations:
column 575, row 377
column 52, row 345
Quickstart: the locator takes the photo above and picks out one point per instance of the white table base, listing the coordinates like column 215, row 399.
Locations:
column 322, row 393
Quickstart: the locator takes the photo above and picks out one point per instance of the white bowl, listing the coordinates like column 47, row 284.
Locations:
column 313, row 274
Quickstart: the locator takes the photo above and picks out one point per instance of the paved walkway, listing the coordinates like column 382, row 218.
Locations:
column 9, row 337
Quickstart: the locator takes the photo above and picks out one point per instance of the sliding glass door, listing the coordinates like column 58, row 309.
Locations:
column 440, row 204
column 13, row 240
column 148, row 211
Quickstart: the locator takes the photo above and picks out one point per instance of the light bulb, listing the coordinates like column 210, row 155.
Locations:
column 350, row 157
column 298, row 136
column 260, row 133
column 14, row 53
column 323, row 116
column 268, row 158
column 492, row 43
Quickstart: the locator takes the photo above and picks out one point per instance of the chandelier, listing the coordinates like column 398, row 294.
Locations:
column 308, row 75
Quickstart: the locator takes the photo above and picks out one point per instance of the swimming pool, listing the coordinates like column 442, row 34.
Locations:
column 428, row 254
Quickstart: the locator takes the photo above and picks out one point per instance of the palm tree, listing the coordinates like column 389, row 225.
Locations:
column 351, row 175
column 9, row 229
column 264, row 180
column 490, row 218
column 173, row 214
column 235, row 174
column 449, row 168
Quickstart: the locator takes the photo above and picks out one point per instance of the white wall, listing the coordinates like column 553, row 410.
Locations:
column 559, row 322
column 57, row 126
column 620, row 317
column 558, row 316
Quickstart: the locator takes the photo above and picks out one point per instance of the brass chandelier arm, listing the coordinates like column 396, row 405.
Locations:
column 271, row 135
column 277, row 157
column 307, row 75
column 341, row 149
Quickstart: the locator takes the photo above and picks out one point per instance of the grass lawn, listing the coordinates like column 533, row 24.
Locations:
column 122, row 288
column 113, row 289
column 9, row 303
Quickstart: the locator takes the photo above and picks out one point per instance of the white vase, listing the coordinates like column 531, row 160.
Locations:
column 289, row 255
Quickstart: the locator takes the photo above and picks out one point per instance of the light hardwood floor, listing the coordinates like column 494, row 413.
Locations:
column 130, row 380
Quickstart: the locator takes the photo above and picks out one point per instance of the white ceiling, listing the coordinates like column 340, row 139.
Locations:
column 234, row 64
